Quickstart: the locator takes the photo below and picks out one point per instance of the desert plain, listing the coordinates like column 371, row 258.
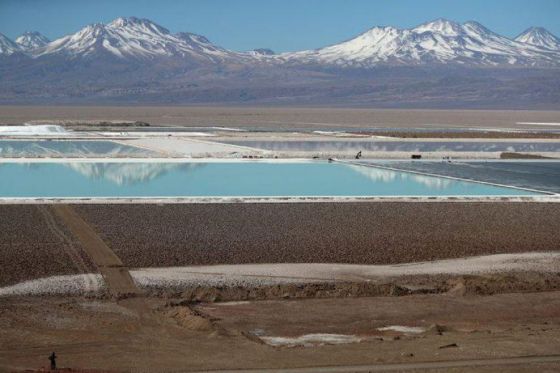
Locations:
column 331, row 285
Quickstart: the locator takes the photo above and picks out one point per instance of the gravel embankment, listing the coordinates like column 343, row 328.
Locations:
column 361, row 233
column 34, row 244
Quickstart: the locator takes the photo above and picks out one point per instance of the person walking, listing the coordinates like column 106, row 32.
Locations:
column 52, row 358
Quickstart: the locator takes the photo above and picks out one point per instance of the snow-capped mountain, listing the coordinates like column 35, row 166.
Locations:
column 437, row 42
column 7, row 46
column 440, row 41
column 134, row 38
column 132, row 60
column 31, row 40
column 540, row 37
column 261, row 52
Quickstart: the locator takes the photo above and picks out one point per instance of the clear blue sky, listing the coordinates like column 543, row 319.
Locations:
column 282, row 25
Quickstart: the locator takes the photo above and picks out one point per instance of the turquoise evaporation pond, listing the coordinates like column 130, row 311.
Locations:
column 223, row 179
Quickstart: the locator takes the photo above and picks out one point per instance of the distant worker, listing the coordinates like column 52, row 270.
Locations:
column 359, row 155
column 52, row 358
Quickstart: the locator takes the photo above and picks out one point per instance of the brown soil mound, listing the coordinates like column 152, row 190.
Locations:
column 189, row 319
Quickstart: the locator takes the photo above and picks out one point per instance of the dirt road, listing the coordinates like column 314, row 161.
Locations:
column 115, row 274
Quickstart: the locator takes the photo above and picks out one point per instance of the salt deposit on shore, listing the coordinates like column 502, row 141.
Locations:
column 184, row 147
column 272, row 274
column 311, row 340
column 251, row 275
column 57, row 285
column 403, row 329
column 33, row 130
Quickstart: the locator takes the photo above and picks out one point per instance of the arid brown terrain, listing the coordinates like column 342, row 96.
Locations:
column 359, row 233
column 36, row 243
column 438, row 321
column 464, row 323
column 509, row 332
column 284, row 118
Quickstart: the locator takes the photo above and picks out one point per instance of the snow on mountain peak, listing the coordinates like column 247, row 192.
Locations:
column 193, row 38
column 440, row 41
column 131, row 37
column 262, row 52
column 473, row 25
column 374, row 45
column 31, row 40
column 540, row 37
column 138, row 24
column 441, row 26
column 7, row 46
column 123, row 21
column 380, row 31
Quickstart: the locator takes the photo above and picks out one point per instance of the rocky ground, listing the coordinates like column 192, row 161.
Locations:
column 34, row 244
column 465, row 323
column 145, row 235
column 462, row 322
column 147, row 334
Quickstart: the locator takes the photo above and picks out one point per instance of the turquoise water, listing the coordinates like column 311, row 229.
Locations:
column 251, row 179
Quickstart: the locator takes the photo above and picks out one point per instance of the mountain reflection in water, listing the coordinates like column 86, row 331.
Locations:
column 378, row 175
column 130, row 173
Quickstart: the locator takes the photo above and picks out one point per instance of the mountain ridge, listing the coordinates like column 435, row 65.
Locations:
column 438, row 41
column 440, row 63
column 31, row 40
column 539, row 36
column 132, row 38
column 7, row 46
